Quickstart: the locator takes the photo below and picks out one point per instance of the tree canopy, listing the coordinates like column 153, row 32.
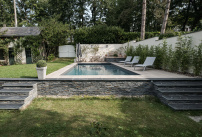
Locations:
column 122, row 13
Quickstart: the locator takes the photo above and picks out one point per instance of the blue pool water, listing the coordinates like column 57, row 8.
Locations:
column 98, row 69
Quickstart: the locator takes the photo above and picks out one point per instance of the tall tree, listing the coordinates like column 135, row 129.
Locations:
column 15, row 14
column 6, row 12
column 144, row 4
column 81, row 15
column 163, row 28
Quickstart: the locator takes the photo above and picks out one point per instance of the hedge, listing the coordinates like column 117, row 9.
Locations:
column 103, row 34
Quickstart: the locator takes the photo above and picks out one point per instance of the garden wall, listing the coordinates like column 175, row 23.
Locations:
column 107, row 49
column 90, row 87
column 196, row 40
column 88, row 50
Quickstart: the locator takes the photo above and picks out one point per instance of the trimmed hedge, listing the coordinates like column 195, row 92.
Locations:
column 41, row 63
column 103, row 34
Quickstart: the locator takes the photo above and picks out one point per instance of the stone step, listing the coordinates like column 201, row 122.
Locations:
column 178, row 84
column 186, row 106
column 183, row 97
column 12, row 98
column 17, row 85
column 180, row 90
column 15, row 91
column 11, row 106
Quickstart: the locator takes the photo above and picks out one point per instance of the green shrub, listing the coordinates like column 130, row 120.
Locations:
column 41, row 63
column 167, row 35
column 51, row 57
column 103, row 34
column 197, row 60
column 184, row 52
column 115, row 55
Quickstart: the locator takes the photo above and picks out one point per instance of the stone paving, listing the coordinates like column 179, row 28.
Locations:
column 149, row 73
column 196, row 118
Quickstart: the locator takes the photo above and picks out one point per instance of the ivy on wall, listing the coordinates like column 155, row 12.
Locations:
column 4, row 42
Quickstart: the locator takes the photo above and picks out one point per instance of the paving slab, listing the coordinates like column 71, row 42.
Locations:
column 149, row 73
column 196, row 118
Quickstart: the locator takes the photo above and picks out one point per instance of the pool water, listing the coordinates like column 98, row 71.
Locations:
column 98, row 69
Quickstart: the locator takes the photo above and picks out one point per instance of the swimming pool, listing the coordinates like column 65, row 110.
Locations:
column 98, row 69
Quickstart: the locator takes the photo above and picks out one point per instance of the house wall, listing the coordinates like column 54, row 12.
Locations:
column 22, row 55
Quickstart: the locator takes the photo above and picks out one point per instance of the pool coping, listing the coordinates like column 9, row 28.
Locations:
column 132, row 73
column 54, row 75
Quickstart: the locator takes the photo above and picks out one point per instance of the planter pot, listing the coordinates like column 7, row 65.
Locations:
column 41, row 72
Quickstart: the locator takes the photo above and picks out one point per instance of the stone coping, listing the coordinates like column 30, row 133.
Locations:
column 99, row 79
column 149, row 75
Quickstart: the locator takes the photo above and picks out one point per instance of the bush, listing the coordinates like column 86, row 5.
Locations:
column 51, row 57
column 103, row 34
column 182, row 58
column 41, row 63
column 197, row 60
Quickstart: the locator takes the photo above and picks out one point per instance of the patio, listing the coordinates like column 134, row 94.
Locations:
column 149, row 74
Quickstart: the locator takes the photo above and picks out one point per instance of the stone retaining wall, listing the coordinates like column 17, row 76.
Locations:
column 91, row 88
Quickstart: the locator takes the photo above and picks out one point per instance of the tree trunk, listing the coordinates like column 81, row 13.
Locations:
column 144, row 4
column 187, row 16
column 163, row 28
column 198, row 15
column 16, row 23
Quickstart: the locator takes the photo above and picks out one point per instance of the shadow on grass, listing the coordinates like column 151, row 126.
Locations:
column 39, row 122
column 133, row 117
column 156, row 119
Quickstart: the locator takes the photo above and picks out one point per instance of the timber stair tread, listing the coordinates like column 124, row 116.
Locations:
column 10, row 106
column 11, row 98
column 186, row 106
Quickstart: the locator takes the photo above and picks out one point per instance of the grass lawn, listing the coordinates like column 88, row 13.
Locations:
column 29, row 70
column 106, row 116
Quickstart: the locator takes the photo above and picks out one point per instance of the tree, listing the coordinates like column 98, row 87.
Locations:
column 163, row 28
column 53, row 34
column 143, row 19
column 6, row 12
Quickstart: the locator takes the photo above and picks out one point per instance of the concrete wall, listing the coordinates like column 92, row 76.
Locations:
column 104, row 49
column 196, row 40
column 67, row 51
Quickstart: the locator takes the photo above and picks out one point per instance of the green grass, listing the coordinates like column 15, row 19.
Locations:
column 29, row 70
column 90, row 116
